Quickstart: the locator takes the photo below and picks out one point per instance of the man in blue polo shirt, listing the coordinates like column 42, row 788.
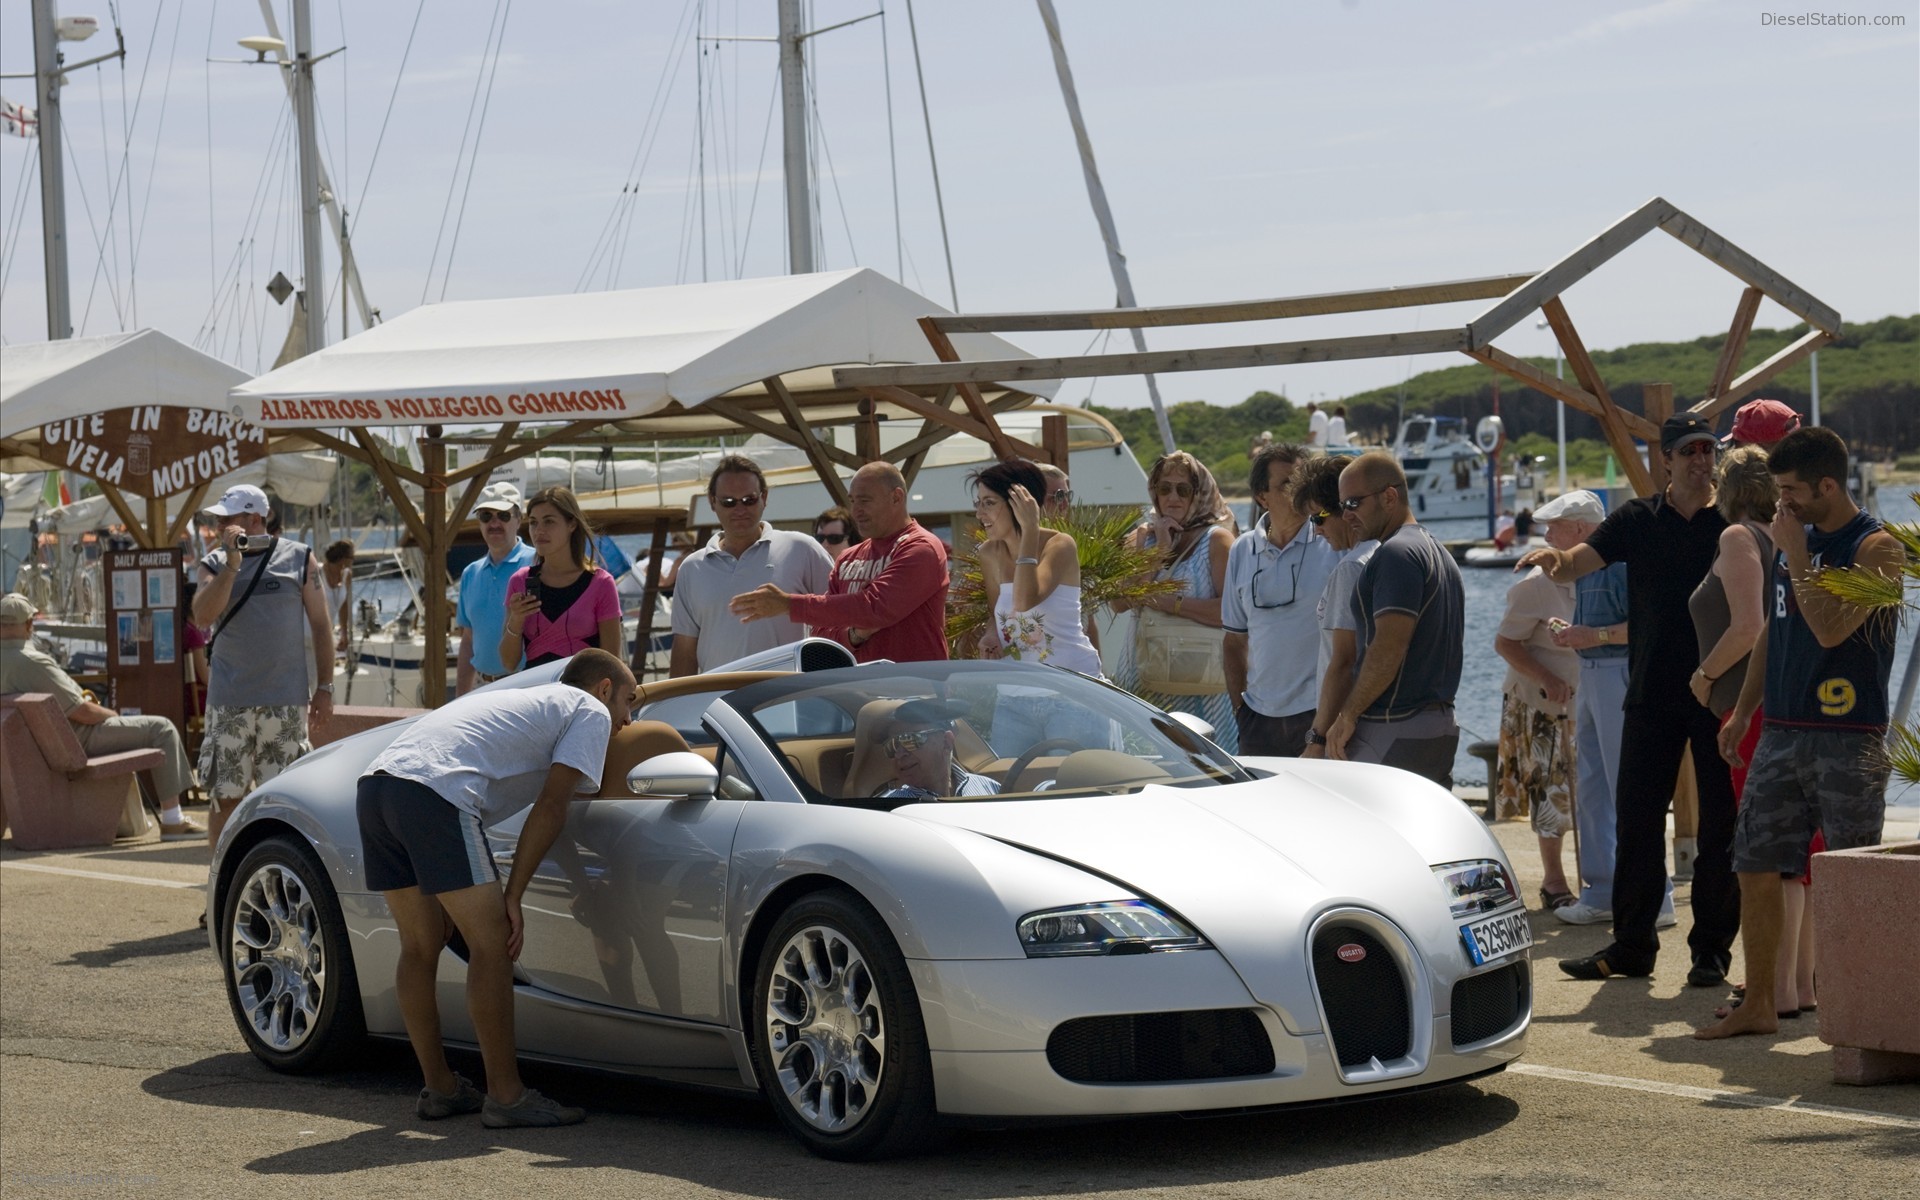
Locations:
column 482, row 613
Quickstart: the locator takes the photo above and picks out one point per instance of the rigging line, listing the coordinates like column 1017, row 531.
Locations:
column 86, row 205
column 124, row 179
column 700, row 141
column 381, row 140
column 650, row 139
column 753, row 200
column 686, row 227
column 893, row 158
column 473, row 164
column 346, row 114
column 14, row 220
column 839, row 193
column 453, row 181
column 276, row 146
column 939, row 201
column 146, row 201
column 213, row 258
column 112, row 243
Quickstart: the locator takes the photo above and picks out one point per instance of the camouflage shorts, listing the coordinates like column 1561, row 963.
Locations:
column 1802, row 780
column 245, row 747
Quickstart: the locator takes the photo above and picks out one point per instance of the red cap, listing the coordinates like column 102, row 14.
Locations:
column 1763, row 422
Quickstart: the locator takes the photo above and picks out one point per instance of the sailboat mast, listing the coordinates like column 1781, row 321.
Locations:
column 311, row 265
column 1097, row 193
column 53, row 180
column 793, row 110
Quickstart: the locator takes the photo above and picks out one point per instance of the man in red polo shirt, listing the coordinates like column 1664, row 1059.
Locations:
column 888, row 595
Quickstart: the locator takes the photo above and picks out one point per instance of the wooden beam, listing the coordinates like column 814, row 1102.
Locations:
column 1567, row 272
column 156, row 522
column 649, row 601
column 1581, row 364
column 1235, row 310
column 128, row 517
column 773, row 429
column 1159, row 362
column 960, row 422
column 816, row 451
column 471, row 496
column 435, row 620
column 1739, row 388
column 520, row 449
column 1053, row 436
column 933, row 432
column 390, row 480
column 1657, row 400
column 1522, row 371
column 14, row 448
column 1746, row 267
column 910, row 467
column 1736, row 343
column 969, row 391
column 196, row 499
column 367, row 446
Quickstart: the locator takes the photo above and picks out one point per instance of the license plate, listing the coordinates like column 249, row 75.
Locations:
column 1497, row 936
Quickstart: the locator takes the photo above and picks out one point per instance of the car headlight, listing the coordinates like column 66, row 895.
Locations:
column 1112, row 927
column 1475, row 887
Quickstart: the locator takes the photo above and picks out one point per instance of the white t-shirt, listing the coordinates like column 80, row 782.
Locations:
column 1337, row 431
column 1317, row 429
column 488, row 753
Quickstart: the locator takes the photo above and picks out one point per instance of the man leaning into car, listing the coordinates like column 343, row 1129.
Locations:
column 423, row 806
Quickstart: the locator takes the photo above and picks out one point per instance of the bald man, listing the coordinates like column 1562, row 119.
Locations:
column 888, row 595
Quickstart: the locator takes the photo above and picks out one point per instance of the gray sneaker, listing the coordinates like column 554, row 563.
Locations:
column 1578, row 913
column 530, row 1109
column 433, row 1106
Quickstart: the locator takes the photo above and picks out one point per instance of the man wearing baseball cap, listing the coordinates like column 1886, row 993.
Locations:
column 1667, row 542
column 101, row 730
column 255, row 590
column 481, row 615
column 1761, row 423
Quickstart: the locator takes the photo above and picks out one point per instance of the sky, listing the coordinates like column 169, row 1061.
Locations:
column 1249, row 150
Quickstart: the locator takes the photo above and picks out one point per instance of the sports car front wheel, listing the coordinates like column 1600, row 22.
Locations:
column 838, row 1042
column 290, row 978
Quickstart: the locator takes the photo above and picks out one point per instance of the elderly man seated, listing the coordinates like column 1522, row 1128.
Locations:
column 26, row 668
column 919, row 746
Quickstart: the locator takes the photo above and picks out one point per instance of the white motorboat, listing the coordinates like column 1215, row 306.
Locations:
column 1446, row 472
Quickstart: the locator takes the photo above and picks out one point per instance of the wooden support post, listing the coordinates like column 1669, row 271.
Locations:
column 383, row 469
column 1749, row 269
column 433, row 582
column 1786, row 357
column 1736, row 343
column 1551, row 283
column 1657, row 400
column 156, row 538
column 816, row 451
column 478, row 483
column 183, row 520
column 1581, row 364
column 128, row 517
column 649, row 599
column 866, row 432
column 959, row 422
column 969, row 392
column 1053, row 437
column 1565, row 392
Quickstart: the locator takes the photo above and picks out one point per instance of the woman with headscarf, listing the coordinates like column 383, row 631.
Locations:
column 1194, row 529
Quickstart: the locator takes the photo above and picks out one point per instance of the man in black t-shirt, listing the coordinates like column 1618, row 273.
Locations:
column 1410, row 612
column 1668, row 543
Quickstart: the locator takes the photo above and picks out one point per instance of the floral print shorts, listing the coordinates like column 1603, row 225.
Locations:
column 1536, row 773
column 245, row 747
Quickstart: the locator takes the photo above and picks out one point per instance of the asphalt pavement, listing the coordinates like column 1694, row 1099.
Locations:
column 121, row 1073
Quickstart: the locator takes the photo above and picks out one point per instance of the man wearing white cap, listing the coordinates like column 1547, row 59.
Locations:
column 481, row 616
column 255, row 590
column 25, row 668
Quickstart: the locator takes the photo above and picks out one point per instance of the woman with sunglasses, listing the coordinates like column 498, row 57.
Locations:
column 564, row 602
column 1316, row 496
column 833, row 529
column 1193, row 529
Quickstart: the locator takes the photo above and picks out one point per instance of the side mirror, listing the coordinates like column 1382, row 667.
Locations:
column 675, row 775
column 1192, row 724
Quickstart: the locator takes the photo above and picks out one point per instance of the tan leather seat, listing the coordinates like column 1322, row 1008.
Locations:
column 870, row 769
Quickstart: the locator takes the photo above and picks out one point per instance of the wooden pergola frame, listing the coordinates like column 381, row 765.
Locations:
column 1517, row 296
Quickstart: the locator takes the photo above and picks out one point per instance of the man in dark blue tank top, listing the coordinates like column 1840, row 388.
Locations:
column 1822, row 670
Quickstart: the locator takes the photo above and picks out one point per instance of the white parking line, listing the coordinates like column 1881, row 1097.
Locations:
column 1743, row 1099
column 150, row 882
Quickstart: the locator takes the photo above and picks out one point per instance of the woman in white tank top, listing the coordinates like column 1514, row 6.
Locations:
column 1032, row 573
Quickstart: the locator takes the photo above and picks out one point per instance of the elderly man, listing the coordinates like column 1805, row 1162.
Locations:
column 259, row 597
column 888, row 595
column 1667, row 542
column 24, row 667
column 1276, row 573
column 481, row 616
column 746, row 553
column 1410, row 609
column 919, row 746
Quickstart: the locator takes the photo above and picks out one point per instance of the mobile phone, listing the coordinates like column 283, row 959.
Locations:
column 1556, row 625
column 533, row 586
column 255, row 543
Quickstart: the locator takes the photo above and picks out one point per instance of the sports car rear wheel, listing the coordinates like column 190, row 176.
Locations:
column 839, row 1044
column 290, row 976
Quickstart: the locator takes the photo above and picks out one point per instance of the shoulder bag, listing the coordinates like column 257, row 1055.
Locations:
column 1179, row 657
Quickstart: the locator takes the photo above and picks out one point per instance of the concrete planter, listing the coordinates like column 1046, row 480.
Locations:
column 1866, row 911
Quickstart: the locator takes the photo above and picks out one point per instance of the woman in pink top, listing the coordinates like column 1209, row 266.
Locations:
column 563, row 603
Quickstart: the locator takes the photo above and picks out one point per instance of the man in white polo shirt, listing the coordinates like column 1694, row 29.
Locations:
column 481, row 616
column 746, row 554
column 1276, row 572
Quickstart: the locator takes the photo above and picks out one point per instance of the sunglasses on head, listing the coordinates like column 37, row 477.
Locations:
column 488, row 516
column 1320, row 518
column 750, row 499
column 831, row 539
column 900, row 743
column 1182, row 490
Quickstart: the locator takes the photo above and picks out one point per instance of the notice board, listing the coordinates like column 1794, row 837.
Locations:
column 146, row 658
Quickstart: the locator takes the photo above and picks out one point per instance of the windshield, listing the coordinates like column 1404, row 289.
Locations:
column 888, row 734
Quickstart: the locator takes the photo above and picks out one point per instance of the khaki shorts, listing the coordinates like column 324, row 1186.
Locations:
column 246, row 747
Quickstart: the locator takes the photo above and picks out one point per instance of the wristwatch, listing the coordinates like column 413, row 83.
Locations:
column 323, row 687
column 1316, row 738
column 1606, row 633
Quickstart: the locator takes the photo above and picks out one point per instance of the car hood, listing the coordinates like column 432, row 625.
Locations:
column 1251, row 865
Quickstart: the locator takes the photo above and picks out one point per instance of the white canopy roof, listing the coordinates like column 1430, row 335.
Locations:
column 619, row 355
column 41, row 382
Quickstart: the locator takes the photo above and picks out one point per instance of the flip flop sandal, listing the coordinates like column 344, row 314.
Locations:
column 1552, row 900
column 1791, row 1014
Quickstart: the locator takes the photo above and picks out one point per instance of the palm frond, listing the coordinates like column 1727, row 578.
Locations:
column 1903, row 753
column 1864, row 588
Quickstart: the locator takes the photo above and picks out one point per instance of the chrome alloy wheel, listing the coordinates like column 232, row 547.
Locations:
column 825, row 1028
column 278, row 956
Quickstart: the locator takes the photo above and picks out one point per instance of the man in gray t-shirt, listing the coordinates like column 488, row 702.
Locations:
column 1410, row 608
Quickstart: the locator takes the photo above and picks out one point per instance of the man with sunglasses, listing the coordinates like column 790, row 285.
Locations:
column 1667, row 541
column 1410, row 606
column 481, row 615
column 919, row 747
column 1276, row 573
column 745, row 554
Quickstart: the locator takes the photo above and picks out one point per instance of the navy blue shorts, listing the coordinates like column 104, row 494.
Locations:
column 412, row 837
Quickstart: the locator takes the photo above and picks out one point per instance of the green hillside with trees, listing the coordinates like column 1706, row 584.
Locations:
column 1869, row 393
